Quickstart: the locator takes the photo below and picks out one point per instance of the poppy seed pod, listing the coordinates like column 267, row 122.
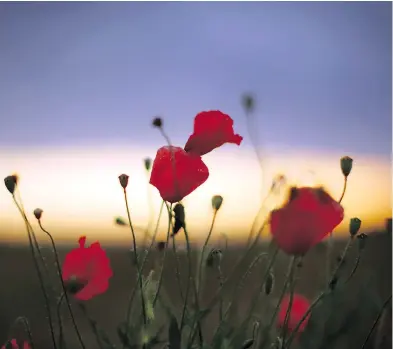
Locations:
column 157, row 122
column 38, row 213
column 354, row 226
column 147, row 162
column 346, row 165
column 217, row 202
column 362, row 238
column 214, row 257
column 123, row 179
column 120, row 221
column 11, row 182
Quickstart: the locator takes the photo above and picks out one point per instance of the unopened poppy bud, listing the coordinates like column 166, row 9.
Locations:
column 157, row 122
column 217, row 202
column 11, row 182
column 214, row 257
column 147, row 162
column 180, row 218
column 346, row 165
column 354, row 226
column 362, row 238
column 161, row 245
column 248, row 103
column 120, row 221
column 38, row 213
column 269, row 284
column 123, row 179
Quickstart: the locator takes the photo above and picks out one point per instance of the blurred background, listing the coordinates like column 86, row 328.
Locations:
column 80, row 83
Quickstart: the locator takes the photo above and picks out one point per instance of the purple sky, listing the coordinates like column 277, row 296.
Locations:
column 98, row 72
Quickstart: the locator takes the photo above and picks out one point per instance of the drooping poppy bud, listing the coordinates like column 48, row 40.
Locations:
column 123, row 179
column 248, row 103
column 217, row 202
column 269, row 284
column 120, row 221
column 38, row 213
column 346, row 165
column 180, row 218
column 157, row 122
column 354, row 226
column 11, row 182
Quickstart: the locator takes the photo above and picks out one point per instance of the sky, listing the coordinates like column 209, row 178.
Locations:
column 81, row 81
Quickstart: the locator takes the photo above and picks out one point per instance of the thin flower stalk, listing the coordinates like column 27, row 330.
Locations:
column 291, row 293
column 63, row 285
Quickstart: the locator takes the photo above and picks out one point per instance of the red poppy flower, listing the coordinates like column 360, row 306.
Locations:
column 86, row 270
column 300, row 306
column 212, row 129
column 308, row 216
column 14, row 345
column 176, row 173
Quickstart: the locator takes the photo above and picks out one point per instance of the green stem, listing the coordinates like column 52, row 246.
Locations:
column 61, row 333
column 291, row 292
column 63, row 285
column 39, row 273
column 321, row 296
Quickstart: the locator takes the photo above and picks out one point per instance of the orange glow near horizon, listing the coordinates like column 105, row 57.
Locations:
column 78, row 189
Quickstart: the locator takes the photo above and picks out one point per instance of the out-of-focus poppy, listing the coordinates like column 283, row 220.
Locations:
column 176, row 173
column 212, row 129
column 308, row 216
column 86, row 270
column 300, row 306
column 14, row 345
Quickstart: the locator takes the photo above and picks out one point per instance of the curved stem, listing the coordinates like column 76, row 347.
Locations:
column 39, row 273
column 163, row 259
column 131, row 300
column 136, row 262
column 376, row 321
column 321, row 296
column 331, row 240
column 203, row 251
column 63, row 285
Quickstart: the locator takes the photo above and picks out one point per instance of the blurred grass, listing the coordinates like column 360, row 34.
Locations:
column 20, row 293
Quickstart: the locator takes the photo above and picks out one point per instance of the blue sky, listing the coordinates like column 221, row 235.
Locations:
column 97, row 73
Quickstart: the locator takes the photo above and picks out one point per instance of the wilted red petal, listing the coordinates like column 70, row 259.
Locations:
column 305, row 220
column 90, row 265
column 212, row 129
column 175, row 173
column 300, row 306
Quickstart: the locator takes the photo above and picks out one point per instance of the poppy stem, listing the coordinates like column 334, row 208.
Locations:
column 291, row 292
column 163, row 259
column 62, row 284
column 321, row 296
column 27, row 329
column 131, row 300
column 357, row 262
column 38, row 270
column 199, row 280
column 136, row 262
column 178, row 278
column 376, row 321
column 329, row 252
column 58, row 308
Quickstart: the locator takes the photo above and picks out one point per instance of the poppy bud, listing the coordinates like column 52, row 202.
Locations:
column 38, row 213
column 217, row 202
column 277, row 344
column 180, row 218
column 11, row 182
column 362, row 238
column 269, row 284
column 354, row 226
column 147, row 162
column 157, row 122
column 161, row 245
column 123, row 179
column 120, row 221
column 248, row 103
column 346, row 165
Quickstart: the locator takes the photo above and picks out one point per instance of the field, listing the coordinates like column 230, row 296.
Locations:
column 20, row 292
